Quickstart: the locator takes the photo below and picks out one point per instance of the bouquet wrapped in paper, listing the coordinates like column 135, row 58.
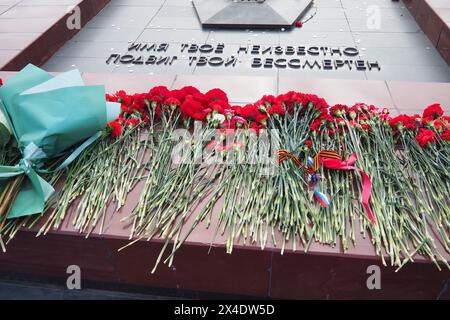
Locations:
column 50, row 118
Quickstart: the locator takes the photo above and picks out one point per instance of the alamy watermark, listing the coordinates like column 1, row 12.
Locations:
column 73, row 22
column 374, row 280
column 373, row 21
column 209, row 147
column 73, row 281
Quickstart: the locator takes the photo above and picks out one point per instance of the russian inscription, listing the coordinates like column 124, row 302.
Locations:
column 259, row 56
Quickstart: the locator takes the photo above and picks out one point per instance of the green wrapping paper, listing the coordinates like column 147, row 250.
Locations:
column 5, row 132
column 49, row 117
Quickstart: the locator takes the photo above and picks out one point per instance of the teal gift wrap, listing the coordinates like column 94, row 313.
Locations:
column 49, row 117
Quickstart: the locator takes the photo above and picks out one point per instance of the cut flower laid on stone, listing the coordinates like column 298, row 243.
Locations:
column 250, row 195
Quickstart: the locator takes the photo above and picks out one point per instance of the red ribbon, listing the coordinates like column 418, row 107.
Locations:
column 336, row 164
column 332, row 160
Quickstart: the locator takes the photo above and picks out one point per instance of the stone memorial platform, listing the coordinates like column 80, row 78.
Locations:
column 399, row 59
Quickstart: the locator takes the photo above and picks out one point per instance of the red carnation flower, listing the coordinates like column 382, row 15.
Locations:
column 141, row 100
column 267, row 101
column 115, row 128
column 237, row 110
column 308, row 143
column 160, row 91
column 145, row 117
column 189, row 90
column 404, row 121
column 338, row 110
column 215, row 95
column 425, row 136
column 438, row 125
column 261, row 118
column 193, row 109
column 172, row 101
column 276, row 109
column 432, row 112
column 123, row 98
column 315, row 125
column 109, row 97
column 177, row 94
column 133, row 122
column 200, row 97
column 446, row 135
column 220, row 106
column 135, row 107
column 249, row 112
column 298, row 24
column 318, row 103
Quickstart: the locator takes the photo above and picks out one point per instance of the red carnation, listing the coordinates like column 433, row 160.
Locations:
column 338, row 110
column 135, row 107
column 123, row 98
column 267, row 101
column 446, row 135
column 432, row 112
column 249, row 112
column 115, row 128
column 200, row 97
column 237, row 110
column 193, row 109
column 215, row 95
column 261, row 118
column 133, row 122
column 298, row 24
column 177, row 94
column 160, row 91
column 438, row 125
column 308, row 143
column 172, row 102
column 318, row 103
column 276, row 109
column 145, row 117
column 109, row 97
column 189, row 90
column 316, row 125
column 141, row 100
column 404, row 121
column 220, row 106
column 425, row 136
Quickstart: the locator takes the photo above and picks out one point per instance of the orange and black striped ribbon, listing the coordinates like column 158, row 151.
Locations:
column 284, row 155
